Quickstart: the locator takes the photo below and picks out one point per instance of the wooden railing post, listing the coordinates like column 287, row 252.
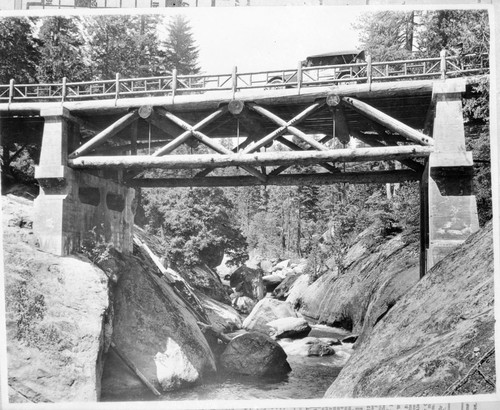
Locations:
column 174, row 81
column 117, row 86
column 443, row 64
column 235, row 80
column 299, row 75
column 64, row 89
column 11, row 90
column 369, row 69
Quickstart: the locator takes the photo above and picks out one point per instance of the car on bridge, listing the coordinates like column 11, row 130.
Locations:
column 324, row 68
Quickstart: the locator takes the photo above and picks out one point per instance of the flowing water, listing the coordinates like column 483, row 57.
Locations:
column 309, row 379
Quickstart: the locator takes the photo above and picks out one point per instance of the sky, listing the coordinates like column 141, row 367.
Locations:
column 258, row 38
column 268, row 38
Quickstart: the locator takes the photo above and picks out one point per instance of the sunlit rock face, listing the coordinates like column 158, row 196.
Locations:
column 265, row 311
column 434, row 335
column 173, row 368
column 58, row 316
column 151, row 322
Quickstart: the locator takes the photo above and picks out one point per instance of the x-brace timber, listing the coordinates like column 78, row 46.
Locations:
column 285, row 126
column 194, row 131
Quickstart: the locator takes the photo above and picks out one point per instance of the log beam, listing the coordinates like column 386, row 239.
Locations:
column 207, row 171
column 286, row 126
column 388, row 122
column 209, row 142
column 189, row 130
column 377, row 177
column 375, row 143
column 255, row 159
column 295, row 147
column 106, row 134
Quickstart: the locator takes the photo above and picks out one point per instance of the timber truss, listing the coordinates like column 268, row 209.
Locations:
column 270, row 145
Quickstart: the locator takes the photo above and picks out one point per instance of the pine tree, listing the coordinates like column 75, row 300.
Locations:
column 180, row 49
column 466, row 30
column 62, row 51
column 387, row 35
column 197, row 225
column 19, row 54
column 128, row 45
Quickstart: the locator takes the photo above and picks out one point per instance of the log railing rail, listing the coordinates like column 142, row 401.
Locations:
column 442, row 67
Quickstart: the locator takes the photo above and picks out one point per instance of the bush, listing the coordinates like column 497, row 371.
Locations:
column 95, row 247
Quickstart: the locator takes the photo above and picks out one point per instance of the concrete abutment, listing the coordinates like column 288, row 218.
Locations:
column 449, row 214
column 74, row 203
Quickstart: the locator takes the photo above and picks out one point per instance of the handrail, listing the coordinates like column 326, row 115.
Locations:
column 173, row 84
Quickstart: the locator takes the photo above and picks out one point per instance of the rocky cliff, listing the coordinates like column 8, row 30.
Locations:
column 438, row 339
column 57, row 316
column 378, row 272
column 64, row 313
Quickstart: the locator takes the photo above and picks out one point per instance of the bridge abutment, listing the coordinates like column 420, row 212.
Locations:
column 450, row 210
column 73, row 203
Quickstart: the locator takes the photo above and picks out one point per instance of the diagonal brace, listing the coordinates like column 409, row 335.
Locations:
column 286, row 127
column 193, row 131
column 190, row 130
column 388, row 122
column 106, row 134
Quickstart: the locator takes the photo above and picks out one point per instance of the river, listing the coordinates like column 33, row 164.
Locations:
column 309, row 379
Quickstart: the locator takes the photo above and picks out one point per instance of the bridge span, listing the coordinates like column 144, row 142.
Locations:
column 100, row 140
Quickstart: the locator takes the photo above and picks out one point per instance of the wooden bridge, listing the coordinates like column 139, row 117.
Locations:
column 100, row 138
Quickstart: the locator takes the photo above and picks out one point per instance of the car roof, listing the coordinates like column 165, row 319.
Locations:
column 337, row 53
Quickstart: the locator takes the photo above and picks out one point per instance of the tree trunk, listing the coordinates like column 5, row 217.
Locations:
column 409, row 31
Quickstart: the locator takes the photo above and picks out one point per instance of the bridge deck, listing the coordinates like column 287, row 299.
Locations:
column 301, row 77
column 381, row 104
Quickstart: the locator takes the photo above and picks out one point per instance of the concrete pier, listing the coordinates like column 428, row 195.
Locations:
column 72, row 203
column 452, row 210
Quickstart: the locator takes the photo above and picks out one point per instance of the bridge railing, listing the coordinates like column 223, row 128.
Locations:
column 173, row 84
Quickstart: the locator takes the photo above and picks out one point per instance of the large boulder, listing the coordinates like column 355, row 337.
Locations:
column 378, row 273
column 207, row 281
column 291, row 327
column 243, row 304
column 266, row 266
column 154, row 328
column 221, row 316
column 281, row 265
column 255, row 354
column 271, row 282
column 440, row 333
column 283, row 289
column 173, row 367
column 57, row 316
column 248, row 282
column 309, row 346
column 265, row 311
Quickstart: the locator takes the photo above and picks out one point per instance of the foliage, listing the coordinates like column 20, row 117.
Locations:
column 467, row 30
column 393, row 35
column 19, row 54
column 61, row 50
column 124, row 44
column 180, row 49
column 387, row 35
column 95, row 246
column 30, row 309
column 196, row 225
